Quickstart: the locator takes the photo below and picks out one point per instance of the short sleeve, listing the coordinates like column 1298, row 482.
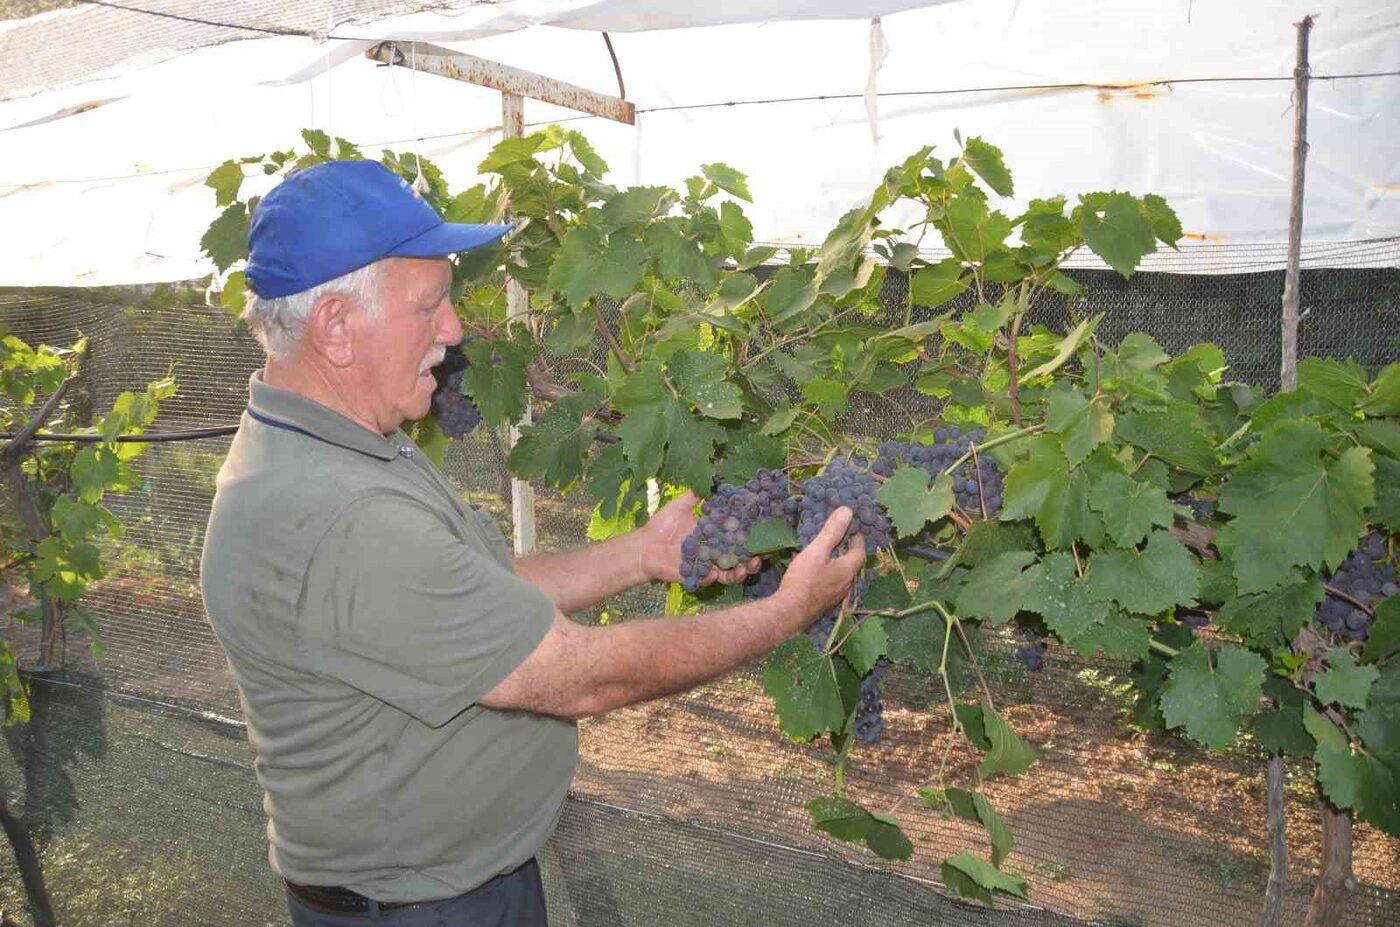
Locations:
column 396, row 605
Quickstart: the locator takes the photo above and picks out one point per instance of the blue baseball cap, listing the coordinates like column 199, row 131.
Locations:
column 338, row 216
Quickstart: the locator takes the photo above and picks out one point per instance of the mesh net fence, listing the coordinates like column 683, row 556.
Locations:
column 135, row 773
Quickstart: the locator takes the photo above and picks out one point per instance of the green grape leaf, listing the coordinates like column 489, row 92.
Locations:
column 728, row 179
column 1212, row 699
column 609, row 483
column 972, row 877
column 1342, row 384
column 555, row 447
column 1339, row 771
column 1118, row 635
column 756, row 452
column 829, row 395
column 75, row 520
column 792, row 292
column 1386, row 510
column 866, row 644
column 770, row 535
column 912, row 502
column 1282, row 730
column 973, row 806
column 1384, row 640
column 1130, row 508
column 987, row 540
column 690, row 448
column 916, row 639
column 635, row 206
column 93, row 470
column 886, row 590
column 234, row 296
column 1378, row 434
column 1065, row 349
column 1150, row 581
column 700, row 377
column 1043, row 487
column 1217, row 582
column 802, row 683
column 989, row 318
column 986, row 162
column 1174, row 435
column 587, row 265
column 1165, row 224
column 936, row 284
column 226, row 239
column 1082, row 425
column 495, row 376
column 644, row 400
column 1385, row 393
column 1272, row 618
column 1292, row 507
column 997, row 590
column 848, row 821
column 1008, row 755
column 1116, row 228
column 225, row 180
column 1059, row 596
column 1344, row 682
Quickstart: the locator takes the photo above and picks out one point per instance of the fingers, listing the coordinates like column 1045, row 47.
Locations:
column 854, row 558
column 831, row 533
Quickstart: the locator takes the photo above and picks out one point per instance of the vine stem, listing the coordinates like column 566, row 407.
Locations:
column 610, row 337
column 998, row 440
column 17, row 442
column 943, row 673
column 977, row 471
column 1162, row 648
column 952, row 619
column 1333, row 590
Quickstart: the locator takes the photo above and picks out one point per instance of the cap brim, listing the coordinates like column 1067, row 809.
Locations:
column 449, row 238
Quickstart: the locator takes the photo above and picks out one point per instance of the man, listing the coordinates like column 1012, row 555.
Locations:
column 412, row 692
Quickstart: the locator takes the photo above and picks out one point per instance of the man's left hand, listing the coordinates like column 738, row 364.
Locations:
column 661, row 544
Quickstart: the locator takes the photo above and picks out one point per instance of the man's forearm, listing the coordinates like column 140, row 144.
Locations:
column 581, row 578
column 636, row 661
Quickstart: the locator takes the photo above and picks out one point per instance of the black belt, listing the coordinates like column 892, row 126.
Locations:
column 332, row 899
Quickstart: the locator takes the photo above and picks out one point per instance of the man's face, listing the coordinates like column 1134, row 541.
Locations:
column 397, row 352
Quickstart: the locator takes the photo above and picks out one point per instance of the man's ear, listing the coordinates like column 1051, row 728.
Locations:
column 328, row 329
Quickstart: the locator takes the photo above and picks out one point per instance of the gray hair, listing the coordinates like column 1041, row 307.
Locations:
column 279, row 323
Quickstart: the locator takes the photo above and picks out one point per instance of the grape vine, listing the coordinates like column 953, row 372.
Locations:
column 1106, row 498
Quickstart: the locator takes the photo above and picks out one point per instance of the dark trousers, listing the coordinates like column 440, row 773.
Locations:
column 515, row 899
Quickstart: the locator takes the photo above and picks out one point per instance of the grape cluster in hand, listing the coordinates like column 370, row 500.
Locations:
column 763, row 583
column 725, row 521
column 1368, row 577
column 948, row 445
column 870, row 713
column 456, row 414
column 1031, row 653
column 844, row 482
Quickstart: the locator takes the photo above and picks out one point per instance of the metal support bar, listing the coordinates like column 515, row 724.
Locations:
column 1288, row 367
column 434, row 59
column 522, row 494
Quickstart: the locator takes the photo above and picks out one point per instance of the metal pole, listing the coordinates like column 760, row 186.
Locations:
column 1288, row 373
column 522, row 494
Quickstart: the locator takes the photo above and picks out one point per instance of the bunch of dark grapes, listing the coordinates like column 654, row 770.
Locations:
column 763, row 583
column 1367, row 576
column 948, row 445
column 725, row 521
column 844, row 482
column 870, row 713
column 1031, row 653
column 456, row 414
column 820, row 629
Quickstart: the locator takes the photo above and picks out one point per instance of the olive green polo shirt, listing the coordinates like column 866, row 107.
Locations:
column 364, row 609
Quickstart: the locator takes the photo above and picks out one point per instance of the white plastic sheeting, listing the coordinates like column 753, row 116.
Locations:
column 112, row 191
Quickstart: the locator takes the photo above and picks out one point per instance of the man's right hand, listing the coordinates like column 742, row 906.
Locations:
column 815, row 582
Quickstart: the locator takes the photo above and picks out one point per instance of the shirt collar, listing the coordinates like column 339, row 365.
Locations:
column 292, row 410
